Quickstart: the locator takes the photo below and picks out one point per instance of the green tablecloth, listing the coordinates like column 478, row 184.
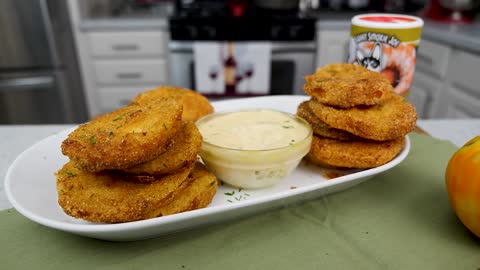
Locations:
column 398, row 220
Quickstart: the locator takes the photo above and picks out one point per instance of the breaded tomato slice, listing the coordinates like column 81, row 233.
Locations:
column 195, row 105
column 112, row 198
column 125, row 137
column 347, row 85
column 182, row 151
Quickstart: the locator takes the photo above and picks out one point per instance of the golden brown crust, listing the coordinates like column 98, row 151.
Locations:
column 347, row 85
column 319, row 127
column 199, row 190
column 194, row 104
column 124, row 137
column 386, row 121
column 360, row 154
column 113, row 198
column 181, row 152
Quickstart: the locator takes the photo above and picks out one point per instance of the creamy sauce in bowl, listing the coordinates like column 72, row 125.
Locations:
column 254, row 130
column 253, row 149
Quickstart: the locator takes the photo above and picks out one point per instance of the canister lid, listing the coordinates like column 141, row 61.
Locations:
column 387, row 21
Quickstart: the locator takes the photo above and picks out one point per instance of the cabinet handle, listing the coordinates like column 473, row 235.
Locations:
column 132, row 75
column 125, row 47
column 424, row 58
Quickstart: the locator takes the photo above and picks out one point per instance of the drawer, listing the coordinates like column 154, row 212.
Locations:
column 131, row 72
column 111, row 98
column 463, row 71
column 433, row 58
column 128, row 43
column 459, row 104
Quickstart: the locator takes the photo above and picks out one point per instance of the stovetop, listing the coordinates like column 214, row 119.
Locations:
column 254, row 25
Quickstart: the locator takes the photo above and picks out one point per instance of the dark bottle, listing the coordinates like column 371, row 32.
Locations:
column 230, row 67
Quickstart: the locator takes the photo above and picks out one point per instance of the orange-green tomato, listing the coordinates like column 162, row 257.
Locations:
column 463, row 184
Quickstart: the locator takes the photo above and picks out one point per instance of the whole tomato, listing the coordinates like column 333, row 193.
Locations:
column 463, row 184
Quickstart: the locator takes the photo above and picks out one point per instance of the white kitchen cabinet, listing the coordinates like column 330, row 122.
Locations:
column 332, row 46
column 432, row 58
column 130, row 72
column 446, row 82
column 128, row 44
column 119, row 58
column 425, row 94
column 464, row 72
column 111, row 98
column 458, row 103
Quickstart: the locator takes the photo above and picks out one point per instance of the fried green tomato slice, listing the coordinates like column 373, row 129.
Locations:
column 382, row 122
column 113, row 198
column 198, row 192
column 347, row 85
column 125, row 137
column 361, row 154
column 195, row 105
column 182, row 151
column 319, row 127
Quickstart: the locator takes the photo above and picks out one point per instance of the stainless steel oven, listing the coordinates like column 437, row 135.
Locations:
column 290, row 62
column 290, row 33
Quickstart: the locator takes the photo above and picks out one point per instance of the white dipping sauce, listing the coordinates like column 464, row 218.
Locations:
column 253, row 130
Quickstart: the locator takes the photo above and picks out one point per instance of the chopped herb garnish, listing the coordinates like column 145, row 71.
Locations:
column 93, row 194
column 69, row 173
column 293, row 187
column 165, row 126
column 92, row 140
column 240, row 190
column 110, row 134
column 287, row 127
column 70, row 187
column 229, row 193
column 120, row 117
column 246, row 194
column 229, row 201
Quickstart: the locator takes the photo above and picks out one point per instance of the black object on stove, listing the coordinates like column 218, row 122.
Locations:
column 199, row 23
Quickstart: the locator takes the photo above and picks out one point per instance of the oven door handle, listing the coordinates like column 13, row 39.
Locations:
column 26, row 83
column 277, row 47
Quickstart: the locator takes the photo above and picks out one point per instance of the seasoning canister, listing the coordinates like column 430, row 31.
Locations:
column 387, row 43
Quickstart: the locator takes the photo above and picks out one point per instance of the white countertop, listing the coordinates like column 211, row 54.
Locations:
column 15, row 139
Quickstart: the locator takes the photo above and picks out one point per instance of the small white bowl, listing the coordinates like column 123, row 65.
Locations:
column 253, row 169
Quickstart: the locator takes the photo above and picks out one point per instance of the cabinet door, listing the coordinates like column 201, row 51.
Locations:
column 425, row 95
column 457, row 103
column 464, row 71
column 133, row 44
column 131, row 71
column 432, row 58
column 111, row 98
column 332, row 46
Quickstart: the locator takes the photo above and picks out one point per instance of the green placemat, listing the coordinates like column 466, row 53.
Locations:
column 398, row 220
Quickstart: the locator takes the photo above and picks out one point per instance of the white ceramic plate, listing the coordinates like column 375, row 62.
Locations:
column 30, row 187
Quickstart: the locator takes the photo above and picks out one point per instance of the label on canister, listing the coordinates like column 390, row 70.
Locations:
column 387, row 43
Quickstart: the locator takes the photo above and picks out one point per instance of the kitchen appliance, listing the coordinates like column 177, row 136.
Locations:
column 457, row 11
column 292, row 38
column 39, row 77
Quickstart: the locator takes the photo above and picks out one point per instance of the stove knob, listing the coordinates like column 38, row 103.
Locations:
column 193, row 32
column 295, row 31
column 275, row 32
column 210, row 31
